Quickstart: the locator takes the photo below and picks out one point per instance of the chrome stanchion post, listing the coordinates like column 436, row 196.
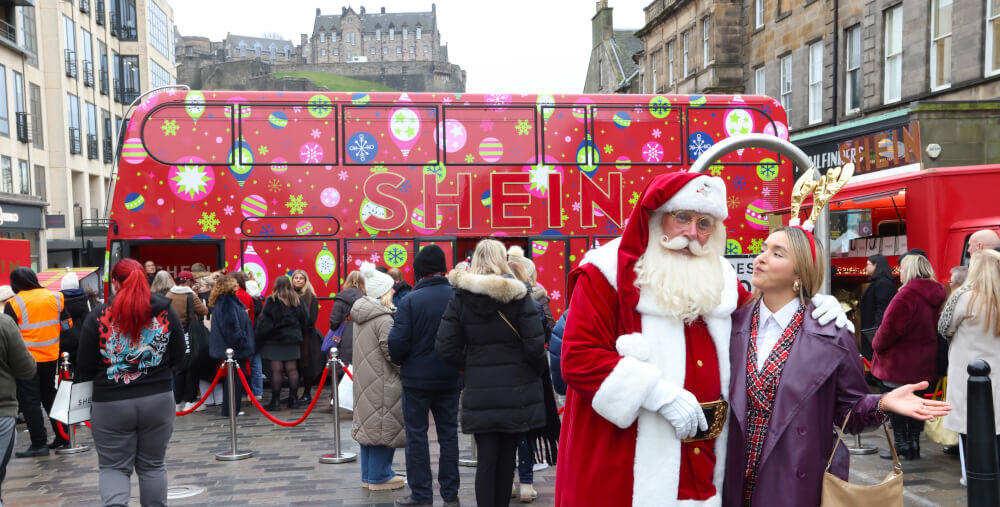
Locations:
column 233, row 454
column 861, row 448
column 73, row 448
column 337, row 456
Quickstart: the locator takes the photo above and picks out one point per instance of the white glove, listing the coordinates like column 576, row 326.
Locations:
column 682, row 409
column 828, row 309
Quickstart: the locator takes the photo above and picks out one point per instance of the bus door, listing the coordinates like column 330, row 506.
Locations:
column 448, row 245
column 554, row 258
column 172, row 256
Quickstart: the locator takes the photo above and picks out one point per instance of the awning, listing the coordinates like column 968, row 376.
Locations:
column 51, row 278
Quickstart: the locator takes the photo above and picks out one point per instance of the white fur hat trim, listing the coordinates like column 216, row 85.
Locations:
column 704, row 194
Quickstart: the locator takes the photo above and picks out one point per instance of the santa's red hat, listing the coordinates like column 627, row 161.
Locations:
column 665, row 193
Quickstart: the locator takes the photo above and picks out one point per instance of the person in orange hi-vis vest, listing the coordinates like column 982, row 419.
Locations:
column 40, row 315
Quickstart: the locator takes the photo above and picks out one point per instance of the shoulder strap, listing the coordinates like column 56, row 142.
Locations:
column 840, row 435
column 190, row 307
column 512, row 328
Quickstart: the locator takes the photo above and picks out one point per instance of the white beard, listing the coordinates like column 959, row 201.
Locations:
column 684, row 286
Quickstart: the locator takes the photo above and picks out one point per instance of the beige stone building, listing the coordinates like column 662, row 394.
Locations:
column 70, row 68
column 362, row 36
column 611, row 68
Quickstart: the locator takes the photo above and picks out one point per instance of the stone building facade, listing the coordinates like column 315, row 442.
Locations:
column 611, row 68
column 243, row 47
column 362, row 36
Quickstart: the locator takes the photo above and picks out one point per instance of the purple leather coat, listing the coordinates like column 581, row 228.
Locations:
column 823, row 379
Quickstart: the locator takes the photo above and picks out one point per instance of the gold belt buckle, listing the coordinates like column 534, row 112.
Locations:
column 715, row 413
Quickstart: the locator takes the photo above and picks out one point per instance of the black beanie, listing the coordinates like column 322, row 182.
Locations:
column 429, row 260
column 23, row 279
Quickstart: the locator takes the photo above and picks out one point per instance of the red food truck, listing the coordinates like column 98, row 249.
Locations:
column 270, row 182
column 16, row 254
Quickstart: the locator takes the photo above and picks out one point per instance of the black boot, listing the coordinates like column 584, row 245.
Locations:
column 274, row 405
column 916, row 428
column 900, row 438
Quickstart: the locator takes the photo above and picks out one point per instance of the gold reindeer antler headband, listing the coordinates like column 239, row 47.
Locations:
column 822, row 191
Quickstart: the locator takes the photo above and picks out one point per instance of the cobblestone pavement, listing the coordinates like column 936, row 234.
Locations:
column 286, row 471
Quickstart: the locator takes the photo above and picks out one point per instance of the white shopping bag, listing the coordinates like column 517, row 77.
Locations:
column 72, row 402
column 345, row 391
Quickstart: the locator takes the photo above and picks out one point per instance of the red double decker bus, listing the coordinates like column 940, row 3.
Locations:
column 270, row 182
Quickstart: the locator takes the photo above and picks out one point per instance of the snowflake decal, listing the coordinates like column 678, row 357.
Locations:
column 756, row 245
column 732, row 248
column 228, row 210
column 470, row 158
column 274, row 185
column 169, row 127
column 498, row 99
column 576, row 206
column 395, row 255
column 652, row 152
column 523, row 128
column 739, row 182
column 191, row 180
column 266, row 230
column 362, row 148
column 634, row 199
column 767, row 171
column 699, row 143
column 262, row 150
column 733, row 201
column 715, row 170
column 155, row 222
column 555, row 295
column 208, row 222
column 311, row 153
column 610, row 227
column 657, row 133
column 296, row 204
column 343, row 175
column 406, row 187
column 766, row 191
column 373, row 258
column 608, row 149
column 315, row 133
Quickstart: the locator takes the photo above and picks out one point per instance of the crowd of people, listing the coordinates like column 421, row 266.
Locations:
column 678, row 382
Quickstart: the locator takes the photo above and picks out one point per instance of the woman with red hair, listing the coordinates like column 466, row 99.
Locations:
column 128, row 348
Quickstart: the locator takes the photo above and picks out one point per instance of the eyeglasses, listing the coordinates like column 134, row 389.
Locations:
column 704, row 223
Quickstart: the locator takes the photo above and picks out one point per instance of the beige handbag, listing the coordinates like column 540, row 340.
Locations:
column 934, row 428
column 840, row 493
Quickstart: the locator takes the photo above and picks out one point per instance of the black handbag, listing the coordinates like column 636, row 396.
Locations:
column 941, row 365
column 195, row 338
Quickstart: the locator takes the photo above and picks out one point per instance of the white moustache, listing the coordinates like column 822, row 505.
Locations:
column 682, row 243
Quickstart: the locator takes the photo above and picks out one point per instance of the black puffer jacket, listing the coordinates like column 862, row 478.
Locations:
column 342, row 304
column 501, row 369
column 78, row 306
column 279, row 323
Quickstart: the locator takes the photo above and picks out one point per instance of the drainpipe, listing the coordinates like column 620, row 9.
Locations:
column 836, row 58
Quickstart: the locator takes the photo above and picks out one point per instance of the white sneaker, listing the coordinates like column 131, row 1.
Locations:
column 204, row 406
column 187, row 406
column 538, row 467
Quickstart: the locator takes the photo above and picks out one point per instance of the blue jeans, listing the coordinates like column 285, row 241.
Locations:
column 7, row 436
column 376, row 463
column 256, row 376
column 444, row 405
column 525, row 461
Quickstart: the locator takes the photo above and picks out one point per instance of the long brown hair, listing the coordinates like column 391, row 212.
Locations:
column 284, row 292
column 356, row 281
column 306, row 292
column 225, row 285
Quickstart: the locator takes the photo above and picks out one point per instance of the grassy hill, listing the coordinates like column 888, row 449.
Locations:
column 337, row 83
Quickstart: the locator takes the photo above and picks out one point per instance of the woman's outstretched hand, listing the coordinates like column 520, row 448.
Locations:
column 903, row 401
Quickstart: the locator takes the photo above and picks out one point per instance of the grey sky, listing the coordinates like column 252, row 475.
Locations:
column 513, row 46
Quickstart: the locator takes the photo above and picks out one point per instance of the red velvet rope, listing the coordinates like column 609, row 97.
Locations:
column 319, row 389
column 347, row 371
column 221, row 372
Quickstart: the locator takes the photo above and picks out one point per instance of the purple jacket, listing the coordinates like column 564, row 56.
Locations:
column 822, row 380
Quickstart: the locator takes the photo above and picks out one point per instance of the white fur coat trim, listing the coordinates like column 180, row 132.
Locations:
column 656, row 469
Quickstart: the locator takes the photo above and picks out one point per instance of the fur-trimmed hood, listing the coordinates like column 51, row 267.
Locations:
column 496, row 287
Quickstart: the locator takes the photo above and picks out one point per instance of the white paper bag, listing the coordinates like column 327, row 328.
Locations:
column 345, row 391
column 855, row 249
column 901, row 247
column 873, row 246
column 889, row 246
column 72, row 402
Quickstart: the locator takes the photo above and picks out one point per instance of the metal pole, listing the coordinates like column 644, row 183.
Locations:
column 982, row 469
column 73, row 448
column 233, row 454
column 860, row 448
column 337, row 456
column 822, row 235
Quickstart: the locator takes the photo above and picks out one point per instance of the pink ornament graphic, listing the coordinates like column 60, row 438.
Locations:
column 279, row 165
column 652, row 152
column 191, row 180
column 580, row 109
column 454, row 136
column 330, row 197
column 781, row 130
column 311, row 153
column 538, row 176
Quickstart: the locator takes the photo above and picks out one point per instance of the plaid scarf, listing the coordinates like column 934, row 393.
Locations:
column 761, row 389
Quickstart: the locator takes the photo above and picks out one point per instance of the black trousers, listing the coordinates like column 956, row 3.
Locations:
column 495, row 468
column 32, row 395
column 417, row 403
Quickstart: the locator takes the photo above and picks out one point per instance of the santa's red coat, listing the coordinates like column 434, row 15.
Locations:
column 598, row 459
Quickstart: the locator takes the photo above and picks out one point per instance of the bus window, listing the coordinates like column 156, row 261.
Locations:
column 472, row 135
column 649, row 135
column 166, row 135
column 280, row 135
column 564, row 133
column 735, row 121
column 400, row 134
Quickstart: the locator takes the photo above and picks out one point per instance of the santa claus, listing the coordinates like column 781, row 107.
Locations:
column 646, row 345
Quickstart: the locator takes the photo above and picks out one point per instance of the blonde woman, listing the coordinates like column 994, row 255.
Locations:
column 492, row 331
column 162, row 283
column 378, row 390
column 794, row 379
column 311, row 360
column 350, row 292
column 906, row 344
column 971, row 320
column 515, row 255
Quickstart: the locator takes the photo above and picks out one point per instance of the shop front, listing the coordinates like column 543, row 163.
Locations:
column 22, row 220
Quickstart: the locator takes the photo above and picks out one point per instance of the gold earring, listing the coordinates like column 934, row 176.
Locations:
column 795, row 286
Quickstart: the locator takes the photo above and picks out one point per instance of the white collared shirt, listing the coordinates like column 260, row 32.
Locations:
column 770, row 328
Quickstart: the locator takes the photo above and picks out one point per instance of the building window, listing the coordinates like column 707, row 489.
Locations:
column 600, row 73
column 333, row 36
column 273, row 51
column 992, row 37
column 40, row 181
column 758, row 14
column 158, row 76
column 371, row 51
column 73, row 117
column 704, row 41
column 29, row 37
column 816, row 83
column 893, row 54
column 413, row 50
column 354, row 39
column 322, row 37
column 336, row 52
column 378, row 34
column 758, row 81
column 243, row 49
column 427, row 49
column 322, row 52
column 8, row 174
column 392, row 34
column 684, row 62
column 385, row 50
column 399, row 50
column 35, row 96
column 670, row 63
column 418, row 32
column 852, row 84
column 405, row 34
column 784, row 7
column 652, row 63
column 24, row 175
column 69, row 33
column 4, row 118
column 940, row 43
column 786, row 83
column 159, row 34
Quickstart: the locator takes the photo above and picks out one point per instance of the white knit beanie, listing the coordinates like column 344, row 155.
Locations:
column 6, row 293
column 69, row 281
column 376, row 282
